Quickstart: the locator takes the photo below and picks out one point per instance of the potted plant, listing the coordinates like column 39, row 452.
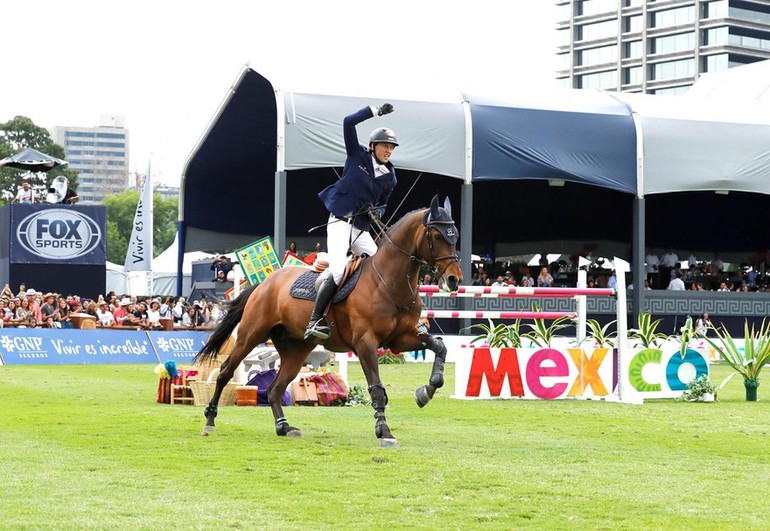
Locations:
column 700, row 389
column 646, row 334
column 747, row 362
column 542, row 334
column 498, row 336
column 600, row 334
column 687, row 334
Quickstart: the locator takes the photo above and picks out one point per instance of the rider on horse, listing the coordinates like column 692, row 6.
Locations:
column 368, row 179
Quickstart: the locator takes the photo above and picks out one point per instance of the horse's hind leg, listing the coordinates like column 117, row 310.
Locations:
column 293, row 354
column 425, row 393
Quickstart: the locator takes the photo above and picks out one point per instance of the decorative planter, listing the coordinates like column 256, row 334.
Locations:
column 751, row 391
column 706, row 397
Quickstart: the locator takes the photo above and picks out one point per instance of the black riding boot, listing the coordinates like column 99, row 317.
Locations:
column 316, row 329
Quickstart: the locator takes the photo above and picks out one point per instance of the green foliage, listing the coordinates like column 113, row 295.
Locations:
column 698, row 387
column 601, row 334
column 687, row 334
column 542, row 332
column 358, row 396
column 20, row 133
column 750, row 361
column 498, row 336
column 646, row 334
column 120, row 218
column 387, row 357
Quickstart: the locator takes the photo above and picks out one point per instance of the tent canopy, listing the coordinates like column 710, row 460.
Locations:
column 620, row 143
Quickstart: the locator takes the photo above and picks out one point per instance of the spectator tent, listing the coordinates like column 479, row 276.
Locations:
column 270, row 148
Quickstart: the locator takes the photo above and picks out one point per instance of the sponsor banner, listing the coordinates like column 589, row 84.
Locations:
column 58, row 234
column 549, row 373
column 258, row 260
column 46, row 346
column 181, row 346
column 52, row 346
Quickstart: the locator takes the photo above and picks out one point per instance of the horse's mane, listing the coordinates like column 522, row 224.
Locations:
column 396, row 226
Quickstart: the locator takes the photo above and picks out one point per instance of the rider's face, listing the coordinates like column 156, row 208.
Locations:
column 383, row 151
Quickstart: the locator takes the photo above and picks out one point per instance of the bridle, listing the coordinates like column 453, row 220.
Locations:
column 431, row 265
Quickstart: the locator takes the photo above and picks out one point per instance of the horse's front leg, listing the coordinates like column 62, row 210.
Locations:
column 225, row 374
column 368, row 358
column 425, row 393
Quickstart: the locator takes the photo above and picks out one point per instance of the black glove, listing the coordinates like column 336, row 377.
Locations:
column 385, row 108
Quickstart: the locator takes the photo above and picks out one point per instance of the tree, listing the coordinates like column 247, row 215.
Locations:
column 18, row 134
column 120, row 219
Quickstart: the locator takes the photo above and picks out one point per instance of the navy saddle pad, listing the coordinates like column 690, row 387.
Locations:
column 304, row 286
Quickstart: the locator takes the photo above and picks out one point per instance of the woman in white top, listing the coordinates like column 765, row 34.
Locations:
column 153, row 314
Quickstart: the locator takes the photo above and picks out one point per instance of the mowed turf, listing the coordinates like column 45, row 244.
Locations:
column 87, row 446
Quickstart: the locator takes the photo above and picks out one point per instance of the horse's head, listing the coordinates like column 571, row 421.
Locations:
column 441, row 236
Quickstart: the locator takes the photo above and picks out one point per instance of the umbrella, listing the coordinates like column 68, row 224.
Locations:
column 32, row 160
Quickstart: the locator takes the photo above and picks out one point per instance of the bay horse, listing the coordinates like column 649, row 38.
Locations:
column 382, row 311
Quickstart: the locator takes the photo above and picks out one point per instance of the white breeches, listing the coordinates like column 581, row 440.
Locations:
column 341, row 236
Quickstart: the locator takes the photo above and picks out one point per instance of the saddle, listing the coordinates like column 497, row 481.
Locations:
column 304, row 286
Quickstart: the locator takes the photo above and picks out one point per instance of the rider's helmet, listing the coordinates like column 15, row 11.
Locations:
column 383, row 134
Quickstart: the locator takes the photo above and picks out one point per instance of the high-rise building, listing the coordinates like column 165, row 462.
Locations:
column 657, row 46
column 98, row 154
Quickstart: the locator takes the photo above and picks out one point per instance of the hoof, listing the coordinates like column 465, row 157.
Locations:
column 294, row 432
column 423, row 394
column 388, row 442
column 207, row 430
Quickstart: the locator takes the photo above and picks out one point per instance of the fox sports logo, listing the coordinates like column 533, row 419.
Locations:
column 58, row 234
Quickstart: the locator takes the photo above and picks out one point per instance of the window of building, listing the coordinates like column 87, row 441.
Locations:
column 674, row 43
column 749, row 15
column 749, row 41
column 600, row 80
column 673, row 69
column 633, row 50
column 632, row 24
column 632, row 3
column 673, row 17
column 716, row 36
column 671, row 91
column 563, row 37
column 597, row 56
column 599, row 30
column 717, row 9
column 595, row 7
column 633, row 75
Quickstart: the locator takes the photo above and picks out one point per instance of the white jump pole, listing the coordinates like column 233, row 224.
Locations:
column 621, row 268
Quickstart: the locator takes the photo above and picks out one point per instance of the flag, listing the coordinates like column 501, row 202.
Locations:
column 139, row 255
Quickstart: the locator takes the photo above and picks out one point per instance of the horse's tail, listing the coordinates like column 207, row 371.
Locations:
column 222, row 332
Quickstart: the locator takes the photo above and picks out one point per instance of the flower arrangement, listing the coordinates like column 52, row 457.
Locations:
column 386, row 357
column 701, row 389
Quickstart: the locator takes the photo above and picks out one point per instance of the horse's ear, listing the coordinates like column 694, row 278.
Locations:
column 448, row 206
column 434, row 206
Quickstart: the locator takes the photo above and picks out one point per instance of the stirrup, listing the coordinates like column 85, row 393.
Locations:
column 317, row 330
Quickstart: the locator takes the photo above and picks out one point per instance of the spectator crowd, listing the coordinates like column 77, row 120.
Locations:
column 30, row 308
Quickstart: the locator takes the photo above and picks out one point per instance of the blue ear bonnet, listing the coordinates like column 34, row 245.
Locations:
column 441, row 219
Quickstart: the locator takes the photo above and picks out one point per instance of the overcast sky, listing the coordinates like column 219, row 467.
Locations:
column 166, row 66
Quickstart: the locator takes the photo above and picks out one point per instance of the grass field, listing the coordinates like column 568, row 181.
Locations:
column 87, row 446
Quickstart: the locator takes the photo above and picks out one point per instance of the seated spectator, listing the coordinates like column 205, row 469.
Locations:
column 189, row 319
column 676, row 284
column 500, row 282
column 25, row 315
column 179, row 309
column 64, row 313
column 49, row 307
column 26, row 194
column 528, row 277
column 723, row 287
column 105, row 316
column 153, row 314
column 10, row 311
column 119, row 313
column 544, row 279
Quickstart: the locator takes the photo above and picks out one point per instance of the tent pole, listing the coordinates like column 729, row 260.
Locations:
column 180, row 232
column 279, row 239
column 639, row 271
column 466, row 237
